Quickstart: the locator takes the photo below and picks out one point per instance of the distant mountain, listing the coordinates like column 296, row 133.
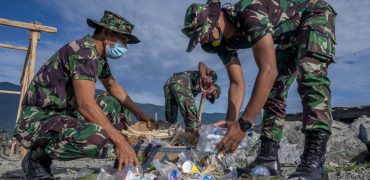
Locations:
column 9, row 106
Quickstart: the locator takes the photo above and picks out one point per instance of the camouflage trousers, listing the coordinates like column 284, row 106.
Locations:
column 178, row 95
column 67, row 136
column 305, row 57
column 4, row 147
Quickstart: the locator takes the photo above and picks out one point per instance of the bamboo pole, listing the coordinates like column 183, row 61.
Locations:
column 13, row 47
column 30, row 26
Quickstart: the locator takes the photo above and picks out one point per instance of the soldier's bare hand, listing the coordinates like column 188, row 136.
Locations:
column 221, row 123
column 148, row 119
column 232, row 138
column 125, row 155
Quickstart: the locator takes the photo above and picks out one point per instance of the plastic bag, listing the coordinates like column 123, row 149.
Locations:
column 211, row 135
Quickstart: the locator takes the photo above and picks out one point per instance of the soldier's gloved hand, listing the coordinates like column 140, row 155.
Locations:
column 150, row 121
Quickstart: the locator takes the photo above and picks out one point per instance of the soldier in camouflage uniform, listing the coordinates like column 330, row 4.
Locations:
column 4, row 141
column 61, row 119
column 304, row 32
column 180, row 90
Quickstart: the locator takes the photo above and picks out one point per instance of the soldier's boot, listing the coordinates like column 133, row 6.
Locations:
column 37, row 165
column 313, row 157
column 268, row 157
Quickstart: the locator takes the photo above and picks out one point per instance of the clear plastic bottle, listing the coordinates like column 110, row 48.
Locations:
column 260, row 173
column 130, row 173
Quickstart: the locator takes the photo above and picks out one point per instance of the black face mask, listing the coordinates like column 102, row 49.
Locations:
column 213, row 45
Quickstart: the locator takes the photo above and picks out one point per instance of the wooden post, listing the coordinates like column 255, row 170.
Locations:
column 29, row 64
column 27, row 76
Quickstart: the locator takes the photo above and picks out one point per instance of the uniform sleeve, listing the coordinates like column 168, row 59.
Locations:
column 105, row 71
column 255, row 22
column 83, row 65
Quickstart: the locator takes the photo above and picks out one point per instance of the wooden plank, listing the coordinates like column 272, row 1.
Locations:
column 34, row 38
column 30, row 26
column 13, row 47
column 9, row 92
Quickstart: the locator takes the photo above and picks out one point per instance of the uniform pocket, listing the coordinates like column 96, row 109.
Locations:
column 321, row 46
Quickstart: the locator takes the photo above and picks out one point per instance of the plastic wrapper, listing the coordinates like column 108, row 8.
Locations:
column 85, row 173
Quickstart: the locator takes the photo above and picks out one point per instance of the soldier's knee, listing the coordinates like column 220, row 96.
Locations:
column 98, row 138
column 313, row 71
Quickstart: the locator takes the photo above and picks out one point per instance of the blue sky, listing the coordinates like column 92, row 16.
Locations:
column 146, row 66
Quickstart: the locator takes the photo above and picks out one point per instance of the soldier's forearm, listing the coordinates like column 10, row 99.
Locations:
column 236, row 97
column 202, row 69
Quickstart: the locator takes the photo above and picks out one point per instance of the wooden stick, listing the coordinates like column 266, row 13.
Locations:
column 10, row 92
column 201, row 105
column 30, row 26
column 13, row 47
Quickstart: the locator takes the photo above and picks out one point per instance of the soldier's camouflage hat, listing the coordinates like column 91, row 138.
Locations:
column 115, row 23
column 200, row 19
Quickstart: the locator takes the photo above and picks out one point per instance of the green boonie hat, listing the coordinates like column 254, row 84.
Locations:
column 115, row 23
column 200, row 19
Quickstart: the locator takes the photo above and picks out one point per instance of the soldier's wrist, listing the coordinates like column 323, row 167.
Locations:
column 245, row 125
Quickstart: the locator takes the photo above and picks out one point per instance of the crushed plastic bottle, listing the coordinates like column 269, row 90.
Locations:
column 106, row 173
column 168, row 171
column 260, row 173
column 84, row 173
column 209, row 137
column 130, row 173
column 208, row 177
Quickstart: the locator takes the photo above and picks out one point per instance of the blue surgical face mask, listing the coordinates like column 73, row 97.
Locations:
column 116, row 51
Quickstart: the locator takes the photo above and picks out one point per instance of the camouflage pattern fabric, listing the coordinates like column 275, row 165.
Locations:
column 4, row 141
column 200, row 19
column 115, row 23
column 305, row 57
column 281, row 18
column 179, row 92
column 49, row 106
column 51, row 88
column 305, row 33
column 74, row 137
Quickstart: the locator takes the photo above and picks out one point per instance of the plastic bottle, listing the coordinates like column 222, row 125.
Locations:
column 106, row 173
column 167, row 170
column 260, row 173
column 129, row 173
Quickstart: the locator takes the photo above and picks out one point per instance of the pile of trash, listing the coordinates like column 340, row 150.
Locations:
column 198, row 162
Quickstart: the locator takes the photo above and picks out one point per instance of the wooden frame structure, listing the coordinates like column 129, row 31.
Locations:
column 30, row 61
